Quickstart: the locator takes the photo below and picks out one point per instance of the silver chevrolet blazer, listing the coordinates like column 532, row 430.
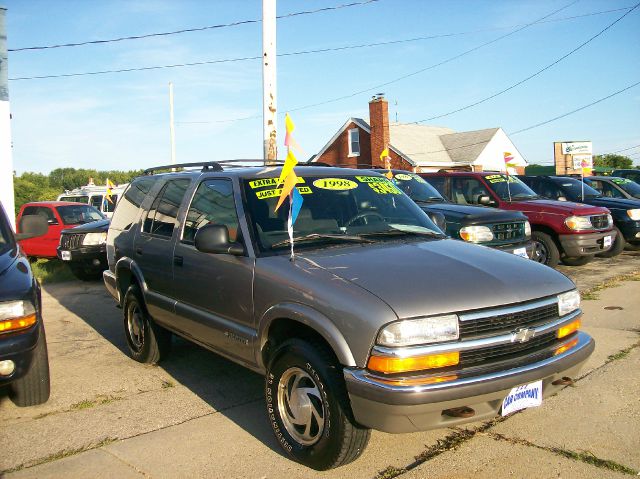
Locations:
column 361, row 314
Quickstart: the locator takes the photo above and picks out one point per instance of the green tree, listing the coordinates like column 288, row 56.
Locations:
column 617, row 162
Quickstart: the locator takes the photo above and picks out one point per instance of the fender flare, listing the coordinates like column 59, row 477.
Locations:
column 128, row 264
column 310, row 317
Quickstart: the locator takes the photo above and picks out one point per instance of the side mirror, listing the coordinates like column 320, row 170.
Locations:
column 439, row 219
column 215, row 239
column 486, row 200
column 52, row 221
column 32, row 226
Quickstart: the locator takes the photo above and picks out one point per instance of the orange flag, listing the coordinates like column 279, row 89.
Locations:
column 289, row 183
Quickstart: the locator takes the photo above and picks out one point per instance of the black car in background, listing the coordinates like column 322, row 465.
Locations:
column 633, row 175
column 504, row 230
column 614, row 186
column 24, row 365
column 83, row 248
column 625, row 212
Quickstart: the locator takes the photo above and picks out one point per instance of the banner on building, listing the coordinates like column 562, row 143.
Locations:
column 576, row 148
column 582, row 161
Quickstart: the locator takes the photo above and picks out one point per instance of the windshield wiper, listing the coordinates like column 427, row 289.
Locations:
column 323, row 236
column 398, row 232
column 430, row 199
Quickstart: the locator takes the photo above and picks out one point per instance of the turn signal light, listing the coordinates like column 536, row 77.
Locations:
column 18, row 323
column 416, row 363
column 566, row 347
column 569, row 328
column 418, row 381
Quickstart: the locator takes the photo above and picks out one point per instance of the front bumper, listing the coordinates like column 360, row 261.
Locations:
column 84, row 254
column 516, row 248
column 409, row 408
column 630, row 230
column 18, row 347
column 585, row 244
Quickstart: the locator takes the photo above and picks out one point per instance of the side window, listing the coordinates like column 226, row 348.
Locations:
column 161, row 218
column 46, row 213
column 611, row 191
column 96, row 201
column 467, row 191
column 30, row 210
column 126, row 212
column 212, row 204
column 549, row 189
column 438, row 182
column 596, row 185
column 354, row 142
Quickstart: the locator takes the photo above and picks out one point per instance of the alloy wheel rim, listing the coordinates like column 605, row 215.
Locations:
column 540, row 252
column 135, row 327
column 301, row 406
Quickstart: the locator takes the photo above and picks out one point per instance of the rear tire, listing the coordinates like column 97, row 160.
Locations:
column 545, row 250
column 147, row 342
column 616, row 248
column 309, row 409
column 34, row 387
column 576, row 261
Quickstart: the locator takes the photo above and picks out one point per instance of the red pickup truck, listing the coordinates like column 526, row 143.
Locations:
column 59, row 215
column 561, row 230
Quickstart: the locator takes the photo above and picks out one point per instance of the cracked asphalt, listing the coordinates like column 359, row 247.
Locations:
column 199, row 415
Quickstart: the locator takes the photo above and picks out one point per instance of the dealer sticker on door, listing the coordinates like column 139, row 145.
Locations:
column 607, row 241
column 521, row 397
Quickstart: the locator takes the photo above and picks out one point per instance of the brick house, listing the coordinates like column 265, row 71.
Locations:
column 413, row 147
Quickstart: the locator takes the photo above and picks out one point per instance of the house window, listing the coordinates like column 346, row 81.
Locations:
column 354, row 142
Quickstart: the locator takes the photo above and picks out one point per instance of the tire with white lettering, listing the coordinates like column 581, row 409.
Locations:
column 308, row 406
column 147, row 342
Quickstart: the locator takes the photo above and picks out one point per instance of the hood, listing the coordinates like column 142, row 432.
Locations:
column 15, row 276
column 417, row 278
column 93, row 227
column 614, row 203
column 474, row 214
column 559, row 207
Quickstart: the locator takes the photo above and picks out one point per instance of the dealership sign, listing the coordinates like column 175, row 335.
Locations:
column 582, row 161
column 576, row 148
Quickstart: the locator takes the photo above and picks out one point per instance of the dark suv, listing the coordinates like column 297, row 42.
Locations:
column 507, row 231
column 363, row 315
column 625, row 212
column 24, row 365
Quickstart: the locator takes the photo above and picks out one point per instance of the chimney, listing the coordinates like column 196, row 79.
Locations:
column 379, row 122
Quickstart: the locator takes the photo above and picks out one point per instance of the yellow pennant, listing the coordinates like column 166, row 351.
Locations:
column 385, row 153
column 289, row 163
column 288, row 123
column 289, row 183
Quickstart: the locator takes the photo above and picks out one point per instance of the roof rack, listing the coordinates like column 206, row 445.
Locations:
column 206, row 166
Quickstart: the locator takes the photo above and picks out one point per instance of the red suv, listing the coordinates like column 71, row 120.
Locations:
column 561, row 230
column 59, row 215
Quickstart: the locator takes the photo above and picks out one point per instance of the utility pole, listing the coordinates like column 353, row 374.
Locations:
column 171, row 127
column 6, row 160
column 269, row 94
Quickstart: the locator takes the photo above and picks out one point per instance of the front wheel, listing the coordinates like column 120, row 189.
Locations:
column 616, row 248
column 148, row 342
column 33, row 388
column 309, row 409
column 545, row 250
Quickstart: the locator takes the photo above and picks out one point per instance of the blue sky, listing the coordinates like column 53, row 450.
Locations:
column 121, row 121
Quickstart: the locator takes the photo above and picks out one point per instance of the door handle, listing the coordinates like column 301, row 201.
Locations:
column 139, row 251
column 178, row 260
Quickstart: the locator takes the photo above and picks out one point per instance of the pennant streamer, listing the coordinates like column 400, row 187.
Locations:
column 289, row 127
column 289, row 184
column 289, row 163
column 296, row 204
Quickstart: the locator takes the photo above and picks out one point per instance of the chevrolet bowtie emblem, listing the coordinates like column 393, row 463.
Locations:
column 522, row 335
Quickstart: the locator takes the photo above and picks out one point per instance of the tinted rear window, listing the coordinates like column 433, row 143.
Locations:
column 129, row 205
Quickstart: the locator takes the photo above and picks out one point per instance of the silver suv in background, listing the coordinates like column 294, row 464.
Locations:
column 371, row 319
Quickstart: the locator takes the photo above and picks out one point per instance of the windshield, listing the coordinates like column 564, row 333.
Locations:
column 79, row 214
column 416, row 187
column 508, row 187
column 572, row 189
column 627, row 185
column 335, row 209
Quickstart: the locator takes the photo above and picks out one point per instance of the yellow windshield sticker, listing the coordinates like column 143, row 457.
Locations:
column 370, row 179
column 403, row 177
column 335, row 184
column 264, row 194
column 384, row 188
column 268, row 182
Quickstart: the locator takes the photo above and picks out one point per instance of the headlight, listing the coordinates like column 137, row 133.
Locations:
column 419, row 331
column 94, row 239
column 16, row 315
column 634, row 214
column 568, row 302
column 578, row 223
column 527, row 229
column 476, row 234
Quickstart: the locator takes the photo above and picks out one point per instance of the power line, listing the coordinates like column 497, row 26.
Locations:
column 189, row 30
column 302, row 52
column 618, row 151
column 576, row 110
column 534, row 74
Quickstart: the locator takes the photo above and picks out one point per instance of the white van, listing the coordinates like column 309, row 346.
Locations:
column 95, row 196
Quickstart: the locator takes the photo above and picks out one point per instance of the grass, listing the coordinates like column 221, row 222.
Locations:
column 592, row 293
column 167, row 384
column 623, row 353
column 51, row 271
column 89, row 403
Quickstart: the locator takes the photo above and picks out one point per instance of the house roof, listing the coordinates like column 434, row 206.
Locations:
column 465, row 147
column 420, row 143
